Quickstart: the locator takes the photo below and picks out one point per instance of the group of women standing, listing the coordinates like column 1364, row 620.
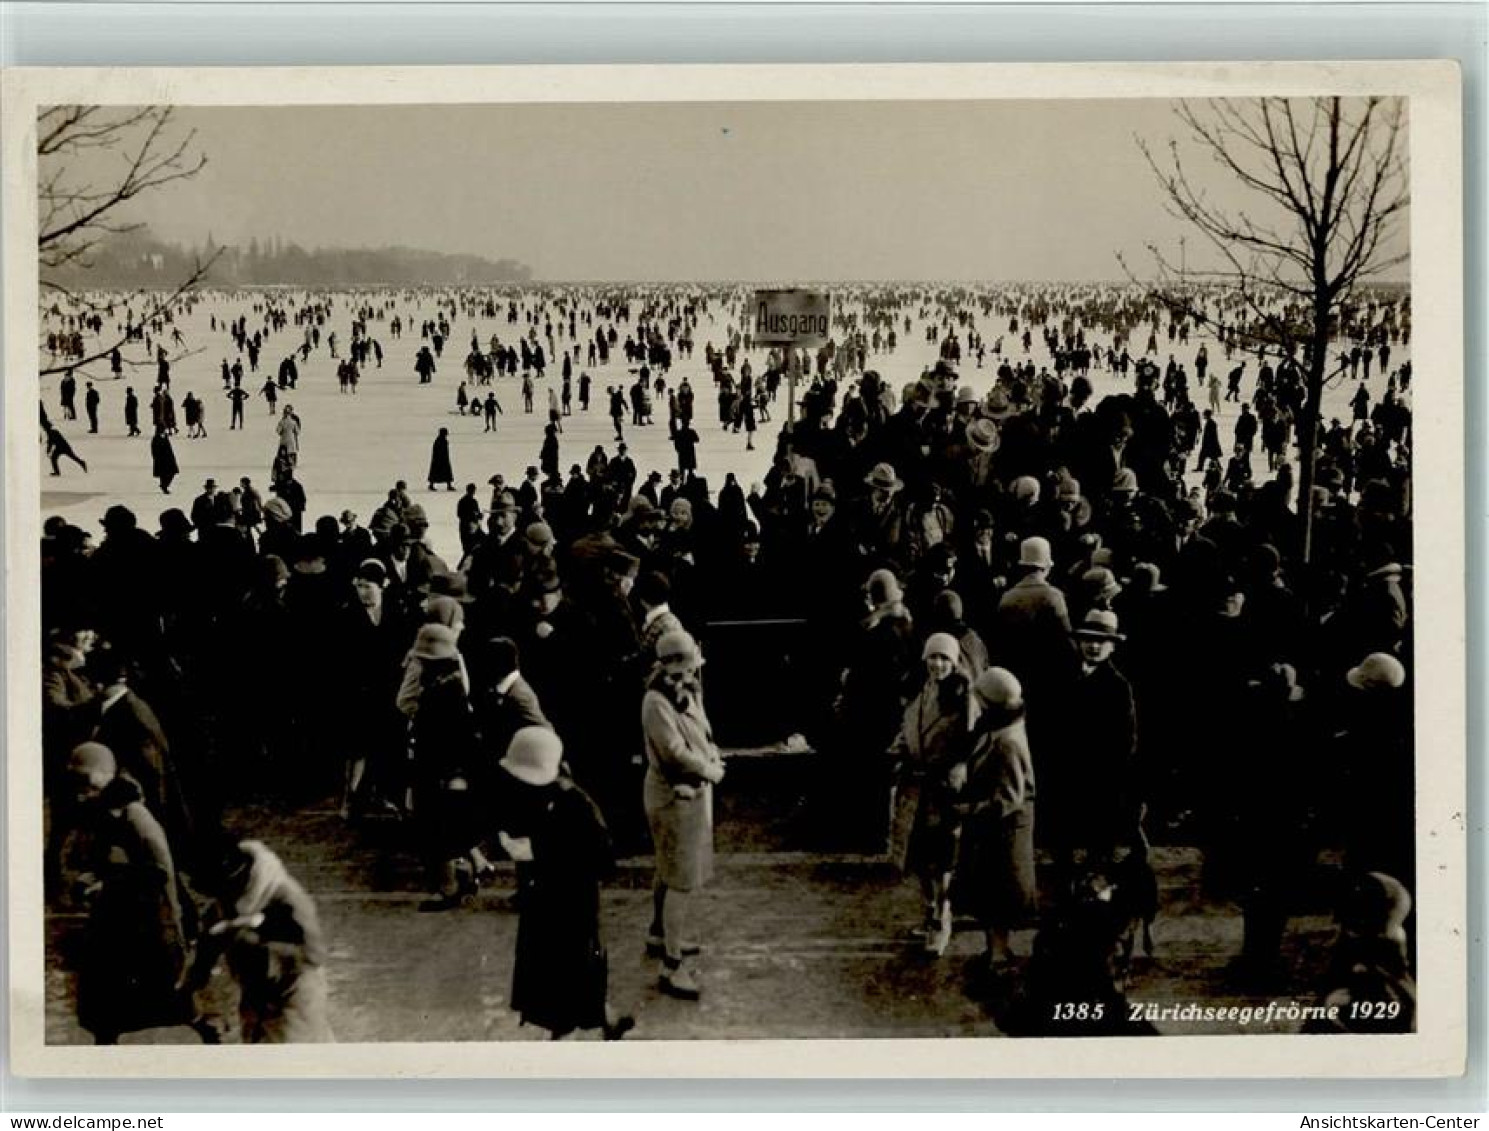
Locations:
column 963, row 817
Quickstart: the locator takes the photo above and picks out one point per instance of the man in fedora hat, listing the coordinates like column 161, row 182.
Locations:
column 878, row 520
column 498, row 560
column 983, row 442
column 202, row 505
column 1089, row 797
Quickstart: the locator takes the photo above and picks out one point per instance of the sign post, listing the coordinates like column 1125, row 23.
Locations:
column 794, row 320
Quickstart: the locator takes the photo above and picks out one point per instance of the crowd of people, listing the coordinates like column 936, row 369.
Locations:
column 1028, row 603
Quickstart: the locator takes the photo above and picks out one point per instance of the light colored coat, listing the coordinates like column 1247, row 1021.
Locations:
column 680, row 754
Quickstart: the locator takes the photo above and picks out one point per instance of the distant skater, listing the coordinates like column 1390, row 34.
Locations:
column 163, row 460
column 440, row 469
column 59, row 449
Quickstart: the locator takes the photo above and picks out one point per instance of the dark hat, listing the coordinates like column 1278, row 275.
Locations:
column 449, row 585
column 414, row 511
column 825, row 490
column 546, row 581
column 1100, row 584
column 505, row 502
column 622, row 563
column 883, row 586
column 174, row 521
column 997, row 405
column 118, row 518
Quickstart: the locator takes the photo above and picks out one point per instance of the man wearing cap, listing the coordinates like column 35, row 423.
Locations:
column 132, row 732
column 373, row 638
column 498, row 560
column 651, row 489
column 622, row 472
column 1090, row 803
column 527, row 493
column 423, row 562
column 124, row 579
column 280, row 537
column 468, row 515
column 683, row 765
column 824, row 553
column 202, row 505
column 653, row 592
column 877, row 522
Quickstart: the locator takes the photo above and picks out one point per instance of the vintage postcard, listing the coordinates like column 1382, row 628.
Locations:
column 943, row 571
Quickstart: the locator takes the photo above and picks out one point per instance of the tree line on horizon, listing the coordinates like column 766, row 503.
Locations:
column 138, row 259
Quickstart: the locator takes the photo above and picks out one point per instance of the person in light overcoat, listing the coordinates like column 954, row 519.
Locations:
column 683, row 766
column 995, row 878
column 269, row 930
column 932, row 740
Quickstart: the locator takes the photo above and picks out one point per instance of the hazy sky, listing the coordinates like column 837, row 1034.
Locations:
column 790, row 191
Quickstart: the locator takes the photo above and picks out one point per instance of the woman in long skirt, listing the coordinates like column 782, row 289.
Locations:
column 932, row 742
column 440, row 468
column 995, row 868
column 163, row 460
column 134, row 946
column 560, row 980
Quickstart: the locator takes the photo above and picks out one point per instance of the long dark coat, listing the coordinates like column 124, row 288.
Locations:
column 445, row 749
column 560, row 978
column 1089, row 791
column 133, row 950
column 440, row 468
column 163, row 464
column 1031, row 635
column 130, row 729
column 995, row 880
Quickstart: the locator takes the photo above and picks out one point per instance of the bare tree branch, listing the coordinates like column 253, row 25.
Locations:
column 157, row 308
column 1336, row 173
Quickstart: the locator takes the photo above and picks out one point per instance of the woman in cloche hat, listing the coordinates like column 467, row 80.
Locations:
column 683, row 766
column 932, row 740
column 561, row 973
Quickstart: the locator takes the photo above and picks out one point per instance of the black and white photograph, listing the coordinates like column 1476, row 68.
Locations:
column 642, row 555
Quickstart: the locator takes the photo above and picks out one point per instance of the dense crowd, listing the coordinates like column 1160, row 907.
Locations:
column 1031, row 601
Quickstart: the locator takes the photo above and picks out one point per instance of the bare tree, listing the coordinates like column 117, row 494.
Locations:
column 1330, row 187
column 92, row 161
